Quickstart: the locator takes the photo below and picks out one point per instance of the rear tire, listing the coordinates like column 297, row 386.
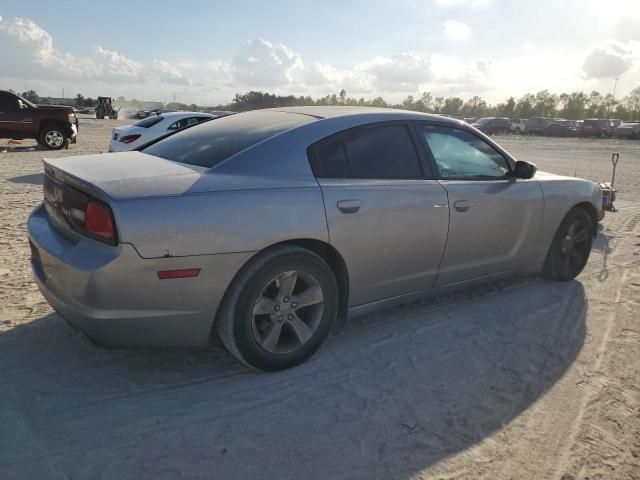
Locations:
column 259, row 321
column 571, row 246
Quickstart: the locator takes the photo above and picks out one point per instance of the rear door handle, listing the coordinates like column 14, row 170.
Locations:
column 462, row 205
column 349, row 206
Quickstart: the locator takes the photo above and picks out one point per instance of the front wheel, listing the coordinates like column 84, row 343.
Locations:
column 571, row 246
column 279, row 310
column 53, row 138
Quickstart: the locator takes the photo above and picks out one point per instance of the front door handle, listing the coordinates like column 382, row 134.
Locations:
column 462, row 205
column 349, row 206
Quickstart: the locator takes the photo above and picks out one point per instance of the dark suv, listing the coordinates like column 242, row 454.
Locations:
column 599, row 127
column 536, row 125
column 491, row 125
column 52, row 126
column 561, row 128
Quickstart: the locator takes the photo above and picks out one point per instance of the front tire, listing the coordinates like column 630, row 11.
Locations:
column 53, row 138
column 279, row 310
column 571, row 246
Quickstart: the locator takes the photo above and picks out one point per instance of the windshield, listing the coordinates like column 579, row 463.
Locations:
column 24, row 100
column 210, row 143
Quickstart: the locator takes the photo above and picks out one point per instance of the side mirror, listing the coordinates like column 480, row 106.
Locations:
column 525, row 170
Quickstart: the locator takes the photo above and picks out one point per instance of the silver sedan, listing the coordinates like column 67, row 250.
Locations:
column 264, row 227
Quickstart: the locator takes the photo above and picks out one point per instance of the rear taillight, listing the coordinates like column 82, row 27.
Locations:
column 98, row 221
column 81, row 211
column 129, row 138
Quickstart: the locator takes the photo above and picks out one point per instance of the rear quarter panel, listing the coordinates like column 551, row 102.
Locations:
column 221, row 222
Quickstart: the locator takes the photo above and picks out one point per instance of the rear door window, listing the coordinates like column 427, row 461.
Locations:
column 378, row 152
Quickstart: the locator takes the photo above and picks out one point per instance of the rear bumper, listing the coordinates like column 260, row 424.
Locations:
column 114, row 296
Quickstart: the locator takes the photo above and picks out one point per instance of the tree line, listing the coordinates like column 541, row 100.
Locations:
column 574, row 106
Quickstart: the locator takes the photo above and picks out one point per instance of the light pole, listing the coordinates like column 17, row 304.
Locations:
column 615, row 84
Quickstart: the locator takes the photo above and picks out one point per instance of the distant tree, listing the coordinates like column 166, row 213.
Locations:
column 378, row 102
column 574, row 108
column 475, row 106
column 31, row 95
column 632, row 104
column 452, row 106
column 507, row 109
column 524, row 106
column 424, row 104
column 408, row 103
column 545, row 104
column 343, row 96
column 438, row 104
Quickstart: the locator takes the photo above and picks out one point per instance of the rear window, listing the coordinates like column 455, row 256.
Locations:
column 210, row 143
column 149, row 121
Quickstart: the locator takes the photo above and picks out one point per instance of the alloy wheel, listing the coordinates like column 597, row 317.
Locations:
column 54, row 138
column 574, row 246
column 287, row 312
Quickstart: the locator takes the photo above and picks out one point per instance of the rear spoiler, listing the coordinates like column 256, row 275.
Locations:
column 53, row 168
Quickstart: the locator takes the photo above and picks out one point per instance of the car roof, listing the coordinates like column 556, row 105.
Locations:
column 327, row 112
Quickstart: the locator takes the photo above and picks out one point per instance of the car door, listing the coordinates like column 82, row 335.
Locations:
column 385, row 216
column 15, row 122
column 495, row 218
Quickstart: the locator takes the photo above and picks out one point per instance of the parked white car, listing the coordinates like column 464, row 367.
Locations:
column 130, row 137
column 518, row 125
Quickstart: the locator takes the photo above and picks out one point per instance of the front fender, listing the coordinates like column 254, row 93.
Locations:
column 561, row 194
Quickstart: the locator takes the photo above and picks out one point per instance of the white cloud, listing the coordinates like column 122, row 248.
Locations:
column 265, row 64
column 608, row 61
column 456, row 31
column 403, row 72
column 29, row 59
column 463, row 3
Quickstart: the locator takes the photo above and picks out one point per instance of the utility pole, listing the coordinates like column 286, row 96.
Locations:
column 63, row 93
column 615, row 84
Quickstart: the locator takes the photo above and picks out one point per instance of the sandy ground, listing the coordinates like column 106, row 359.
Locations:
column 523, row 380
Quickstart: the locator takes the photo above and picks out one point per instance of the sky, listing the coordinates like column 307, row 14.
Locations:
column 204, row 52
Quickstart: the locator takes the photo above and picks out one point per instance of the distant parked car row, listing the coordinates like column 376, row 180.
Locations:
column 557, row 127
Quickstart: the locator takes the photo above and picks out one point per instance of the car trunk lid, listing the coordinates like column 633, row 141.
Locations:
column 116, row 176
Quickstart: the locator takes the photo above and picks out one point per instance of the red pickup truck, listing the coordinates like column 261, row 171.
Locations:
column 52, row 126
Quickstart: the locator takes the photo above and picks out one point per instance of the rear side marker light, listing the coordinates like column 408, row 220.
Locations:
column 169, row 274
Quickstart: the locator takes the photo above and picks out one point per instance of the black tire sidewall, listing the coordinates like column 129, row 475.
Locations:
column 554, row 266
column 242, row 331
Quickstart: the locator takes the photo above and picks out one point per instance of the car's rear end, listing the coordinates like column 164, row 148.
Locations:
column 100, row 283
column 128, row 137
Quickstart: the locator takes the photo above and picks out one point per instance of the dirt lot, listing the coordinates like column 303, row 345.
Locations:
column 522, row 380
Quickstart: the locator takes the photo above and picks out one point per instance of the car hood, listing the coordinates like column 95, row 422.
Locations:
column 56, row 108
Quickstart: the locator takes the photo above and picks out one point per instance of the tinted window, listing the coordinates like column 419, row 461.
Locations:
column 186, row 122
column 149, row 121
column 8, row 102
column 210, row 143
column 461, row 155
column 382, row 152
